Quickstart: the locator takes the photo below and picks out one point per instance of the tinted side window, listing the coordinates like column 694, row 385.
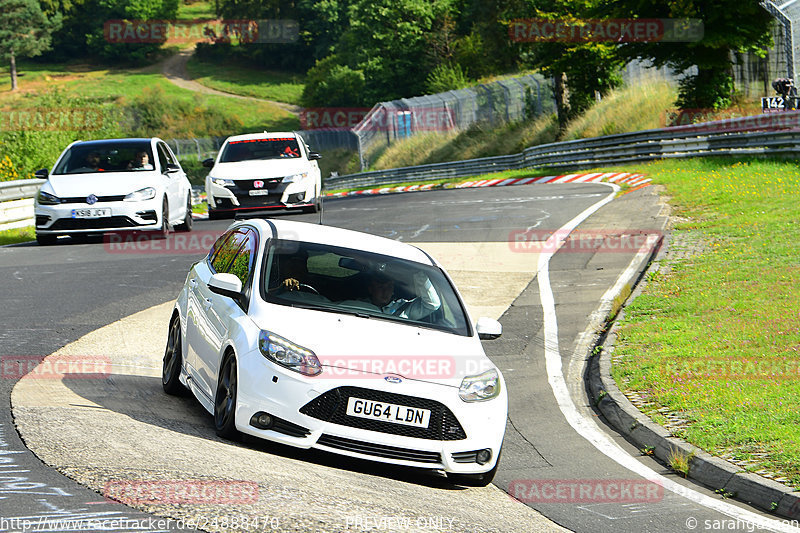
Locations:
column 242, row 264
column 224, row 255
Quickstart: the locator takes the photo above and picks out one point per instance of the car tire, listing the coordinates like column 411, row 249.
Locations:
column 187, row 219
column 173, row 360
column 474, row 480
column 225, row 399
column 46, row 240
column 163, row 233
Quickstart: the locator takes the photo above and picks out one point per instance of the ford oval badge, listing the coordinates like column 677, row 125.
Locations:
column 393, row 379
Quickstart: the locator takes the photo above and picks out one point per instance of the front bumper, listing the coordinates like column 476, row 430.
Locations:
column 310, row 414
column 240, row 197
column 59, row 220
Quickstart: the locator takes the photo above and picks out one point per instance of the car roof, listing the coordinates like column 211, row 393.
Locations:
column 131, row 140
column 316, row 233
column 262, row 135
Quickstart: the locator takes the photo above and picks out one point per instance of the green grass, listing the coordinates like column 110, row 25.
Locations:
column 126, row 87
column 13, row 236
column 735, row 301
column 236, row 79
column 190, row 10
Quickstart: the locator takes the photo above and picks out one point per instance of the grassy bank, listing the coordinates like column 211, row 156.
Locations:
column 235, row 79
column 96, row 102
column 711, row 349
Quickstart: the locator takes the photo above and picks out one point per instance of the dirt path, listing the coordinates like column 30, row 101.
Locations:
column 174, row 69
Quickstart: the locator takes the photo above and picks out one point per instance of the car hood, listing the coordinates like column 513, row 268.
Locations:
column 265, row 168
column 352, row 347
column 100, row 183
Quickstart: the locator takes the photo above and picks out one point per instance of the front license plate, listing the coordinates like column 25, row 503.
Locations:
column 91, row 213
column 389, row 412
column 258, row 192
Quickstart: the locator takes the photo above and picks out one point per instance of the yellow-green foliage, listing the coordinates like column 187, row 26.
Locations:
column 8, row 171
column 631, row 108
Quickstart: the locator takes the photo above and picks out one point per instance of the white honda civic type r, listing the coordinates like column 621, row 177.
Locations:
column 320, row 337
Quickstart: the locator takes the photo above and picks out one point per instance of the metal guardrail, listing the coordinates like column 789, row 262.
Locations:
column 774, row 135
column 16, row 203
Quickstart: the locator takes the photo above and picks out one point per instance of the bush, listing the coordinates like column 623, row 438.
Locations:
column 8, row 171
column 332, row 84
column 446, row 77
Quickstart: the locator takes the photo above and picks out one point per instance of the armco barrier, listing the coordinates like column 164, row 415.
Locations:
column 762, row 135
column 16, row 203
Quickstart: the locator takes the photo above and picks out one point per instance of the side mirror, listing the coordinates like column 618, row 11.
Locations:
column 42, row 174
column 314, row 155
column 208, row 163
column 172, row 169
column 226, row 284
column 488, row 329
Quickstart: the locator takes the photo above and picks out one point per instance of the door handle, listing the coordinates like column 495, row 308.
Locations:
column 207, row 303
column 193, row 282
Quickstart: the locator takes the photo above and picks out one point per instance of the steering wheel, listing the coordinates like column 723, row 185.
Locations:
column 309, row 288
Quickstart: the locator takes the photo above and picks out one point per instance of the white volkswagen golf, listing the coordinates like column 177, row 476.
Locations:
column 320, row 337
column 112, row 185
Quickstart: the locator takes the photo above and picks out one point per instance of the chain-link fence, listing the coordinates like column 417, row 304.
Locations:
column 493, row 103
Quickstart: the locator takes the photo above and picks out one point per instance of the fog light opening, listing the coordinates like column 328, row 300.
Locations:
column 261, row 420
column 483, row 456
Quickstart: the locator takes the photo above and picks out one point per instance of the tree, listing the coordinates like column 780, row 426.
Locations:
column 728, row 26
column 579, row 68
column 24, row 31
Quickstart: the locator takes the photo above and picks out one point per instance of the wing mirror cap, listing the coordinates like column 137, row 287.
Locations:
column 488, row 328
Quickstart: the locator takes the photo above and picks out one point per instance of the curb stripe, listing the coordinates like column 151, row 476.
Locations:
column 638, row 180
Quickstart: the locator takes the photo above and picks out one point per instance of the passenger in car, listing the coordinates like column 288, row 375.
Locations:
column 380, row 289
column 141, row 161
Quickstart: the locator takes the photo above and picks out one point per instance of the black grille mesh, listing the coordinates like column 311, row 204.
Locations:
column 332, row 407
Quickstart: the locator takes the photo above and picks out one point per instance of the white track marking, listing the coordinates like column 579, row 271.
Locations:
column 588, row 428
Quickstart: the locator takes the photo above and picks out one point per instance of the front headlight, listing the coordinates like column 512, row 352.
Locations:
column 286, row 353
column 484, row 386
column 148, row 193
column 294, row 178
column 45, row 198
column 222, row 182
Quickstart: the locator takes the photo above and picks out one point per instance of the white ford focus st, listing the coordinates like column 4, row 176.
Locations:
column 320, row 337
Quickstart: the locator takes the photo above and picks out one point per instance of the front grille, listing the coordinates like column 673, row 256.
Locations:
column 249, row 201
column 248, row 185
column 82, row 199
column 332, row 407
column 93, row 223
column 379, row 450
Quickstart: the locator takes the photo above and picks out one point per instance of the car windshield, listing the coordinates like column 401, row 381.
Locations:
column 106, row 157
column 344, row 280
column 249, row 149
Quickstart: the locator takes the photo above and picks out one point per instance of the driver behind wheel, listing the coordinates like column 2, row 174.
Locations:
column 294, row 270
